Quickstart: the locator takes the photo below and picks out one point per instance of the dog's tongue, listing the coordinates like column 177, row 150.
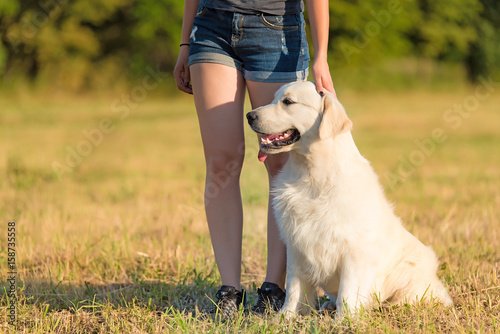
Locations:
column 262, row 156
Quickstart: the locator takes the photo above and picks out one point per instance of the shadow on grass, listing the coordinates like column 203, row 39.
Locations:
column 189, row 297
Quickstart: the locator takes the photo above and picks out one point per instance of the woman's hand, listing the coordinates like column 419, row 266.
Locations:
column 319, row 19
column 322, row 77
column 181, row 71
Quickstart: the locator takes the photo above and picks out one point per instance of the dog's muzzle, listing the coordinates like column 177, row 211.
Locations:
column 252, row 117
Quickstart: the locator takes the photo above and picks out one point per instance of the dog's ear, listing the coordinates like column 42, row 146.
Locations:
column 335, row 120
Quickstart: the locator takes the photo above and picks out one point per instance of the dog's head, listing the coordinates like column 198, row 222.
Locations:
column 298, row 116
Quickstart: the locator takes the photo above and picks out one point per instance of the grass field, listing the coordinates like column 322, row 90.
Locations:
column 111, row 234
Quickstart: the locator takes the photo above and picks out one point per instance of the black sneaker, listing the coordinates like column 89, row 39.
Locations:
column 228, row 302
column 270, row 297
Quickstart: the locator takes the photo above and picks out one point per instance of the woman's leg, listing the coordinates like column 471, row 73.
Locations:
column 262, row 93
column 219, row 93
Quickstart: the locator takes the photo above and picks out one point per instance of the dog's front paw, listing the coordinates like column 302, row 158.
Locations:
column 287, row 314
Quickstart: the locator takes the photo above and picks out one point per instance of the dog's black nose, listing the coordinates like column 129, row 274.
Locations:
column 251, row 117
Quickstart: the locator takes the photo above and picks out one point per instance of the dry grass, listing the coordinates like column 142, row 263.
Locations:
column 120, row 244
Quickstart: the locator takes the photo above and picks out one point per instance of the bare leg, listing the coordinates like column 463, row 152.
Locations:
column 219, row 93
column 262, row 93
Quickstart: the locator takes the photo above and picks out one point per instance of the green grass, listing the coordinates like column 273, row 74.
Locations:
column 119, row 244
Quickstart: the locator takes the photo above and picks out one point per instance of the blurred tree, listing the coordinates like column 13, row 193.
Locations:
column 366, row 32
column 95, row 44
column 87, row 43
column 157, row 31
column 446, row 28
column 7, row 9
column 55, row 41
column 483, row 58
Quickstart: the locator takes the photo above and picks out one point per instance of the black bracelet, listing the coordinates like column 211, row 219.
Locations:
column 184, row 44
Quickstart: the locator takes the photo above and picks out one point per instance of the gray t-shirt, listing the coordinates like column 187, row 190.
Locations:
column 273, row 7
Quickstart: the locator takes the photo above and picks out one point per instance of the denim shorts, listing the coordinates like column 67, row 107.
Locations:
column 266, row 48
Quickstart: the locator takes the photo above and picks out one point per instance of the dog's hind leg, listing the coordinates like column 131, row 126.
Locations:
column 355, row 290
column 440, row 292
column 435, row 291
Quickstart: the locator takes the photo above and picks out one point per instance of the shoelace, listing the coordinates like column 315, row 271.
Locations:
column 227, row 303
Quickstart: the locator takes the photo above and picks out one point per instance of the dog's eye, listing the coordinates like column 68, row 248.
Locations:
column 287, row 101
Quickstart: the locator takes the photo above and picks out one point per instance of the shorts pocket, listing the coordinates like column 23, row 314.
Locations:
column 201, row 11
column 288, row 22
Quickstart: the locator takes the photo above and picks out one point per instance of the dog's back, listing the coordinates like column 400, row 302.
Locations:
column 342, row 219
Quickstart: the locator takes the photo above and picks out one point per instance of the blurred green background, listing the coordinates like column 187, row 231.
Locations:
column 107, row 44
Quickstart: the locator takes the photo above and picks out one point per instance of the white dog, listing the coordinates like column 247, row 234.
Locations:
column 340, row 231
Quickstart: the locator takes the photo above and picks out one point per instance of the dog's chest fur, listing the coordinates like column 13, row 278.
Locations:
column 310, row 223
